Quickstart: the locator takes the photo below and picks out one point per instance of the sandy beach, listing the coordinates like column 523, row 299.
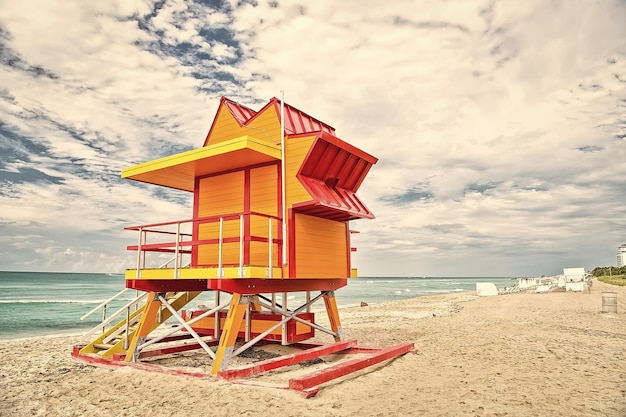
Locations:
column 520, row 354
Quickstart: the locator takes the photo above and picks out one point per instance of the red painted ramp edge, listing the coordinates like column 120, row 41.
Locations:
column 308, row 383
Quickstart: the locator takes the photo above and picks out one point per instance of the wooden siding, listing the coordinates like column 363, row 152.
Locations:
column 264, row 190
column 265, row 126
column 225, row 127
column 264, row 199
column 295, row 152
column 321, row 248
column 219, row 195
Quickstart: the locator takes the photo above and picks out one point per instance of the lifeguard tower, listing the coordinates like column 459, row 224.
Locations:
column 273, row 191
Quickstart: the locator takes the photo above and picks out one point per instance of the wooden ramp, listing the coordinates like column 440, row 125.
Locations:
column 354, row 358
column 309, row 383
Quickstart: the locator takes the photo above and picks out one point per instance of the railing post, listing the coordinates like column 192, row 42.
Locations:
column 270, row 269
column 104, row 316
column 177, row 251
column 220, row 273
column 216, row 327
column 138, row 272
column 127, row 327
column 144, row 235
column 241, row 249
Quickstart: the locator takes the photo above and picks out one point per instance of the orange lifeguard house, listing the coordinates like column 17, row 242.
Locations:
column 274, row 191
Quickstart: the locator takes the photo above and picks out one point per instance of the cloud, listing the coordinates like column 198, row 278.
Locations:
column 500, row 128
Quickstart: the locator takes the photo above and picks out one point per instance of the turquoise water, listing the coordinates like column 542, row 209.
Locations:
column 41, row 303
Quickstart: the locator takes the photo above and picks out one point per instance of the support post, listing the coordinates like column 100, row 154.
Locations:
column 216, row 330
column 238, row 305
column 333, row 314
column 148, row 317
column 283, row 331
column 241, row 246
column 220, row 272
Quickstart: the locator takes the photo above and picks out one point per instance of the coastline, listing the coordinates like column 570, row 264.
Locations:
column 516, row 354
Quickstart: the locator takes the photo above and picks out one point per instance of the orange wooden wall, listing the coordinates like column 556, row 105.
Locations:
column 264, row 199
column 321, row 248
column 218, row 195
column 227, row 194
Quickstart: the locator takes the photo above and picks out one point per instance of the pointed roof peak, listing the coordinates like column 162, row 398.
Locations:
column 239, row 111
column 297, row 121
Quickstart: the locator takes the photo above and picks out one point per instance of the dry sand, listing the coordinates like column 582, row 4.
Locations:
column 521, row 354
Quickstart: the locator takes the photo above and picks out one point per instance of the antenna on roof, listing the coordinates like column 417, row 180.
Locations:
column 283, row 174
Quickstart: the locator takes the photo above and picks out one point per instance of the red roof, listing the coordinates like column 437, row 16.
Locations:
column 241, row 113
column 332, row 172
column 297, row 121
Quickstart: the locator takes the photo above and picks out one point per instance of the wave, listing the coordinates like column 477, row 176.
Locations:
column 51, row 301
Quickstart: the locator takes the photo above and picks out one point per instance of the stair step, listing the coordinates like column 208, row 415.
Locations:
column 103, row 346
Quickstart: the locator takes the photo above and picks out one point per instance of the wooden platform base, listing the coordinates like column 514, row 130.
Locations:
column 308, row 385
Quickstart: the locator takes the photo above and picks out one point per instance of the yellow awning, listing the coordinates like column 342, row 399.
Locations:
column 180, row 170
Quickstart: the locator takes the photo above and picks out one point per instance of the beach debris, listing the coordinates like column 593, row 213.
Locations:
column 364, row 304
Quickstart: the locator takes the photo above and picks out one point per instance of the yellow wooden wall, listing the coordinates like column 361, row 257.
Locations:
column 225, row 127
column 321, row 248
column 265, row 127
column 219, row 195
column 295, row 152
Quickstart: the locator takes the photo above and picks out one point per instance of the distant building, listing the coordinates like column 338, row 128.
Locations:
column 621, row 255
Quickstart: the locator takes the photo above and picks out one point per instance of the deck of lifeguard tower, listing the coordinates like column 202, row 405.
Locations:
column 274, row 192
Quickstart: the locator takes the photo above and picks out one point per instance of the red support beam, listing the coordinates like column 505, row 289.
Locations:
column 259, row 285
column 174, row 349
column 167, row 285
column 286, row 360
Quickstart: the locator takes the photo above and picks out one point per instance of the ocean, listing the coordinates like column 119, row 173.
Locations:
column 44, row 303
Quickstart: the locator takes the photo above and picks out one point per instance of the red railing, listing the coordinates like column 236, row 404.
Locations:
column 186, row 241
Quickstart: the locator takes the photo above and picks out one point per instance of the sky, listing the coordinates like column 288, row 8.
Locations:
column 500, row 126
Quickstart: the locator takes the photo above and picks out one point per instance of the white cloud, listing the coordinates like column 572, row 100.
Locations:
column 499, row 126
